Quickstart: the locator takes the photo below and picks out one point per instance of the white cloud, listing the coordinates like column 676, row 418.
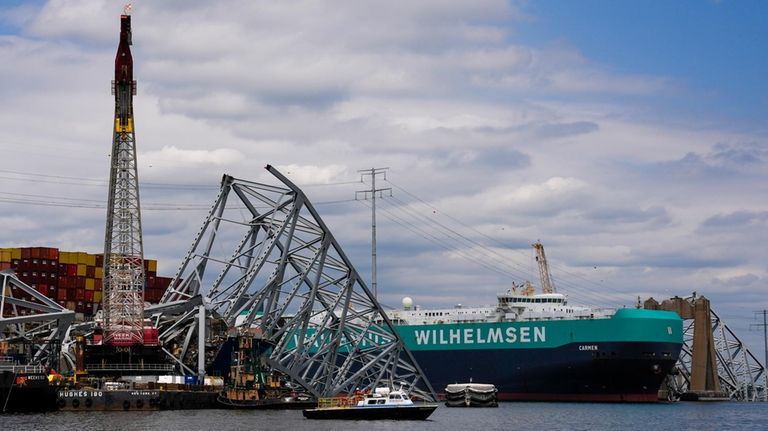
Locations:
column 519, row 142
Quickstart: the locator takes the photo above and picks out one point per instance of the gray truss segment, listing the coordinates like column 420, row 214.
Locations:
column 264, row 260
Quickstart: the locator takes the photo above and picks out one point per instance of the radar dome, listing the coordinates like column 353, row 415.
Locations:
column 407, row 303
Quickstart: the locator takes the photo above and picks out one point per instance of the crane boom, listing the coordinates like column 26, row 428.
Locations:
column 547, row 286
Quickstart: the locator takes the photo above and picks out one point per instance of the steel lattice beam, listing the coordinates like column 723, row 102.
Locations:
column 31, row 320
column 740, row 373
column 265, row 259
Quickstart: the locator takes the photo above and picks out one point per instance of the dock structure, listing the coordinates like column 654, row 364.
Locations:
column 714, row 363
column 264, row 261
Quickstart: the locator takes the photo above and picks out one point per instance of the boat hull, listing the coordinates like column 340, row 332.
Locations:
column 416, row 412
column 622, row 359
column 26, row 393
column 134, row 400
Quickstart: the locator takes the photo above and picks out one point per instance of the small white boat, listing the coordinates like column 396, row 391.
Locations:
column 383, row 403
column 470, row 395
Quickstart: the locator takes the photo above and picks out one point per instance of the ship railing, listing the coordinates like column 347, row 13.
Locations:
column 129, row 367
column 9, row 363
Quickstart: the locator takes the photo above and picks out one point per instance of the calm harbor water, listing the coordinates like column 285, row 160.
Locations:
column 508, row 417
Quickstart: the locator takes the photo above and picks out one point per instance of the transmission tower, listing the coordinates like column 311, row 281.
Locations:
column 373, row 172
column 124, row 276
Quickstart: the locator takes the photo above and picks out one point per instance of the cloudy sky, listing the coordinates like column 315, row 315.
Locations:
column 629, row 137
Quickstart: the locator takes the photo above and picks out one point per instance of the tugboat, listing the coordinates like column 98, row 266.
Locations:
column 252, row 385
column 470, row 395
column 383, row 403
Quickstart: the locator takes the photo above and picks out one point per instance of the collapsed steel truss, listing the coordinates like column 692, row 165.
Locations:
column 742, row 377
column 265, row 261
column 31, row 324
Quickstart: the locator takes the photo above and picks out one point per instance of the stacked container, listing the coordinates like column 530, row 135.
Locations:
column 73, row 279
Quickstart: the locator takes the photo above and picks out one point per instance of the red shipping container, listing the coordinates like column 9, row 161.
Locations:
column 80, row 283
column 43, row 289
column 72, row 269
column 71, row 294
column 61, row 295
column 34, row 253
column 80, row 294
column 53, row 254
column 5, row 265
column 100, row 260
column 90, row 271
column 89, row 296
column 26, row 253
column 98, row 284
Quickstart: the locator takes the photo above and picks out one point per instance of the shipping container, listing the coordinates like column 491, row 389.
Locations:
column 152, row 266
column 81, row 268
column 61, row 294
column 26, row 253
column 90, row 284
column 89, row 296
column 72, row 269
column 80, row 294
column 97, row 296
column 5, row 256
column 16, row 253
column 34, row 253
column 98, row 284
column 80, row 283
column 98, row 272
column 90, row 271
column 5, row 265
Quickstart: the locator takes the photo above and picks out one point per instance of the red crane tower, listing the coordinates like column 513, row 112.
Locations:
column 124, row 277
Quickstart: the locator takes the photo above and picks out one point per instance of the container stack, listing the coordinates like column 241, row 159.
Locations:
column 73, row 279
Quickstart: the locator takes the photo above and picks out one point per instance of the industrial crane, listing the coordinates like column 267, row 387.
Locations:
column 547, row 286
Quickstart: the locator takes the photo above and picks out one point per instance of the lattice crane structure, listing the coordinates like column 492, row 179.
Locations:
column 124, row 277
column 265, row 261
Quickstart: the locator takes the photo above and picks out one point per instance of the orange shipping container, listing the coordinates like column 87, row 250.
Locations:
column 99, row 272
column 97, row 296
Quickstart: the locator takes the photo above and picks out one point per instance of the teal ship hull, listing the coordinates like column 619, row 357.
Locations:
column 623, row 358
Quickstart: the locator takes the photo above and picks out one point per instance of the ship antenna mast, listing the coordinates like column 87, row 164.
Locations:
column 547, row 286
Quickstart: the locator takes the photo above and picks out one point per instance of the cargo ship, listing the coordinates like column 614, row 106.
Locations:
column 537, row 347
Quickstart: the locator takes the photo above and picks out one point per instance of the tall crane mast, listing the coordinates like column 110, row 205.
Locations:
column 547, row 286
column 124, row 277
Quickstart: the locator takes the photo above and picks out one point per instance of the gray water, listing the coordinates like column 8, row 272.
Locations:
column 507, row 417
